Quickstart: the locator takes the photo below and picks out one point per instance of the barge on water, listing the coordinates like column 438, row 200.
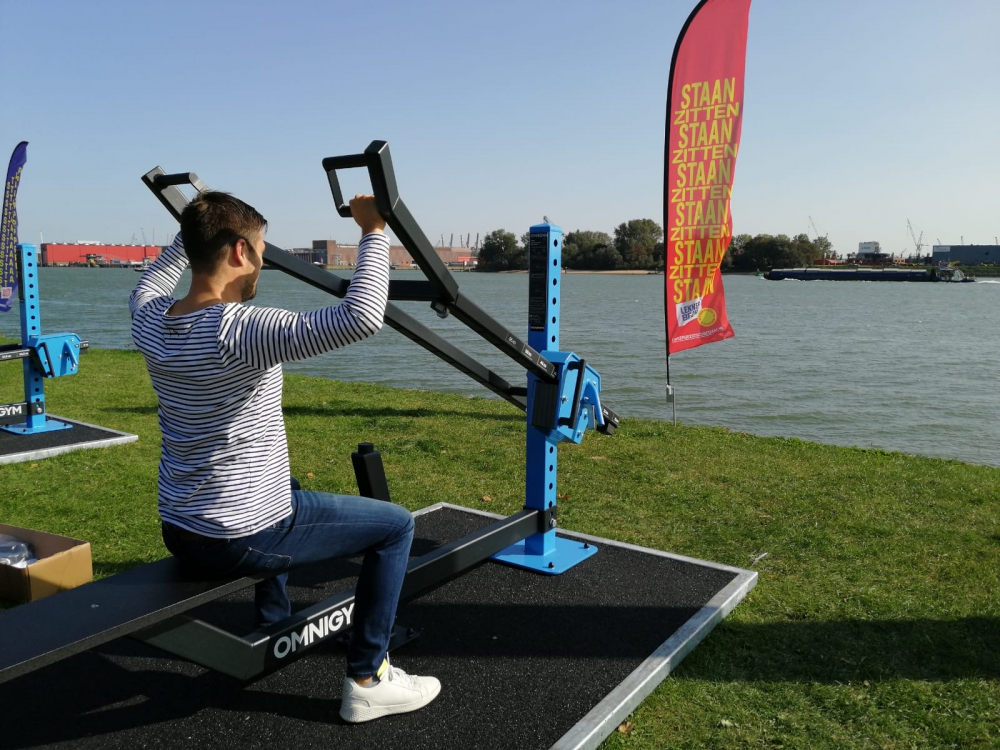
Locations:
column 826, row 273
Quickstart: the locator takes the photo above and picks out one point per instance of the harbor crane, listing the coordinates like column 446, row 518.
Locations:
column 813, row 223
column 918, row 242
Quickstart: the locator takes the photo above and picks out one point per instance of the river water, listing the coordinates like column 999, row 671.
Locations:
column 901, row 366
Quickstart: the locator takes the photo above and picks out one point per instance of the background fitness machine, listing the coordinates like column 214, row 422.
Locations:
column 48, row 356
column 27, row 432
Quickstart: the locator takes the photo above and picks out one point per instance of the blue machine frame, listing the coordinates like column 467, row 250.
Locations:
column 49, row 356
column 557, row 412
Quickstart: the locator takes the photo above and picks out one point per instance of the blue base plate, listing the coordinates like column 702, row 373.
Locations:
column 568, row 552
column 21, row 428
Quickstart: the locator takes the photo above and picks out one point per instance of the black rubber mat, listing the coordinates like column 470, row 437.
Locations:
column 522, row 658
column 78, row 436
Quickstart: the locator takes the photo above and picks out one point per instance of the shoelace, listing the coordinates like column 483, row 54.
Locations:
column 393, row 674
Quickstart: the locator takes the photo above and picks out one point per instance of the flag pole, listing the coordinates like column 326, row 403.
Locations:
column 670, row 396
column 701, row 143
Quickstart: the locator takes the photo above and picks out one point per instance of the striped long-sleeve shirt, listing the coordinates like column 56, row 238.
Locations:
column 218, row 377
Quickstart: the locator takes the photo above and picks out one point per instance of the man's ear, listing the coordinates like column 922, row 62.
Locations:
column 238, row 253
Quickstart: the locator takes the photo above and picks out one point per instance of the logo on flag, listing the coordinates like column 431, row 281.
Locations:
column 688, row 311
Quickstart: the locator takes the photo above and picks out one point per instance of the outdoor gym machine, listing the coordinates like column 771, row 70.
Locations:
column 44, row 356
column 561, row 398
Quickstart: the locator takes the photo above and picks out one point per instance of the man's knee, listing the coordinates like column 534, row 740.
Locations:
column 402, row 518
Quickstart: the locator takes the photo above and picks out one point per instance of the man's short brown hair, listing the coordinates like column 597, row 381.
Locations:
column 212, row 223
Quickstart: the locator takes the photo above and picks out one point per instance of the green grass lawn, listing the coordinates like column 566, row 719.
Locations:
column 875, row 622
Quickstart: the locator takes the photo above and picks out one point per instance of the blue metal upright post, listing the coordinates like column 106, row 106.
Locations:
column 544, row 551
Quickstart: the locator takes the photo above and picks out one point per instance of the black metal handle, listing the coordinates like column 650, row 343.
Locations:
column 580, row 365
column 183, row 178
column 333, row 163
column 164, row 187
column 378, row 162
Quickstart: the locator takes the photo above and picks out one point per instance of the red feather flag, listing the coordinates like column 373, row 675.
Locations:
column 704, row 120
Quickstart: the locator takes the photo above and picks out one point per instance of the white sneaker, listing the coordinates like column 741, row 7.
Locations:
column 395, row 692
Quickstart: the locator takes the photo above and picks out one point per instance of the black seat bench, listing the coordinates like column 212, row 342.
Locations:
column 151, row 603
column 42, row 632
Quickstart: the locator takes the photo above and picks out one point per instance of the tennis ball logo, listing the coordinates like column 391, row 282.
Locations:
column 707, row 316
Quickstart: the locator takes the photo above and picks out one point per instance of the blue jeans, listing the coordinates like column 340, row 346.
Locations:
column 321, row 527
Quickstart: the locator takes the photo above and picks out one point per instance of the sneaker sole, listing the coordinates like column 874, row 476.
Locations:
column 360, row 714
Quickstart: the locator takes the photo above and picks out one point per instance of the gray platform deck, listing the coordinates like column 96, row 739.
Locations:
column 526, row 661
column 19, row 448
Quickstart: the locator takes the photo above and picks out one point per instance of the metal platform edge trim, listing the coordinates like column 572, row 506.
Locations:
column 602, row 719
column 121, row 439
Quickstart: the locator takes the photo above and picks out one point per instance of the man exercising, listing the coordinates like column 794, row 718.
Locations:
column 227, row 504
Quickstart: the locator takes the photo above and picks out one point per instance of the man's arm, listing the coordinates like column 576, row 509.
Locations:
column 160, row 279
column 263, row 337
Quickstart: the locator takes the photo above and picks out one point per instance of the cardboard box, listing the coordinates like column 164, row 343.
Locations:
column 63, row 563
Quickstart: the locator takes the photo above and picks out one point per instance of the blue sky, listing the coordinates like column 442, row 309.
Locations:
column 860, row 114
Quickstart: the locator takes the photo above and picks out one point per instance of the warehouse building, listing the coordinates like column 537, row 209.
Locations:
column 330, row 252
column 967, row 255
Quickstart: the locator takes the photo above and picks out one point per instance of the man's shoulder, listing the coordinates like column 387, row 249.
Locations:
column 153, row 306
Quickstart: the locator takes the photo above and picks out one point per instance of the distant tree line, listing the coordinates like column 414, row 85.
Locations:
column 638, row 245
column 766, row 251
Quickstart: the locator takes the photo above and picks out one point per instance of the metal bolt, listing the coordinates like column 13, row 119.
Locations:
column 552, row 565
column 586, row 545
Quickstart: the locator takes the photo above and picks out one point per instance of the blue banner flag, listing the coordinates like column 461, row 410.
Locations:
column 8, row 228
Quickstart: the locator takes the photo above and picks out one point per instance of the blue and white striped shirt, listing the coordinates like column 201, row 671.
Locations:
column 217, row 373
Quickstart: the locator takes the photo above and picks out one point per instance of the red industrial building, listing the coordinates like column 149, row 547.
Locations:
column 92, row 254
column 323, row 252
